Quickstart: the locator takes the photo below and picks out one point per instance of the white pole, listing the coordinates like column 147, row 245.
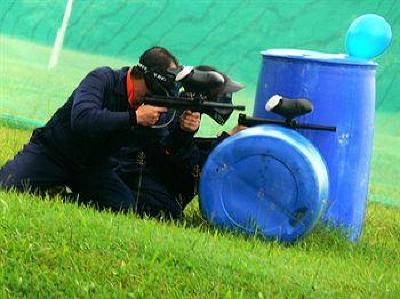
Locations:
column 55, row 53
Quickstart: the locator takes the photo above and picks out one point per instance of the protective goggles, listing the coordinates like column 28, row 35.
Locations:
column 160, row 82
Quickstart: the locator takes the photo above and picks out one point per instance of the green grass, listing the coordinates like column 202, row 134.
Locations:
column 385, row 175
column 28, row 89
column 52, row 249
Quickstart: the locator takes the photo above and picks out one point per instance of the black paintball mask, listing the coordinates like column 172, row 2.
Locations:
column 213, row 86
column 160, row 82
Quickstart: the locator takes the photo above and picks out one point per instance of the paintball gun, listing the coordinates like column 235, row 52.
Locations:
column 206, row 92
column 195, row 103
column 289, row 109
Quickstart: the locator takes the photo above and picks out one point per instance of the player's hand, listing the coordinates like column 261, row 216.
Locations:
column 147, row 115
column 190, row 121
column 236, row 129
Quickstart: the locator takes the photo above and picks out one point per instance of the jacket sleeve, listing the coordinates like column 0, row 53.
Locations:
column 88, row 115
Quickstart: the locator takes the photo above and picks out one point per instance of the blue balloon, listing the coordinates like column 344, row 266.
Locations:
column 368, row 36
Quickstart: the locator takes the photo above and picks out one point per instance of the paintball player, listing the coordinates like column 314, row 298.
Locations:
column 102, row 114
column 163, row 176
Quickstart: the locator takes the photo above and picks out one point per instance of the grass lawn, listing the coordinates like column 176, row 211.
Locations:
column 52, row 249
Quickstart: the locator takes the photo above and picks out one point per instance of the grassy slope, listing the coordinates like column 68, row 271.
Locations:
column 385, row 175
column 52, row 249
column 28, row 89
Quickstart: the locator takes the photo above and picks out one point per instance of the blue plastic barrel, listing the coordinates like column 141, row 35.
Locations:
column 266, row 179
column 342, row 90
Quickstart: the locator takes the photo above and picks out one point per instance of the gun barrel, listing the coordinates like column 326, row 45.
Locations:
column 193, row 104
column 249, row 121
column 166, row 102
column 316, row 127
column 223, row 105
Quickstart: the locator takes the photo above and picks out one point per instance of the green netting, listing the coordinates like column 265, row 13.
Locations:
column 227, row 34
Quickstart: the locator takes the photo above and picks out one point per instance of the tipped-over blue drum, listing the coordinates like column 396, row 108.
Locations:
column 267, row 180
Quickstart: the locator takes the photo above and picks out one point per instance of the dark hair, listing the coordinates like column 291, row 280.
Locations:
column 156, row 58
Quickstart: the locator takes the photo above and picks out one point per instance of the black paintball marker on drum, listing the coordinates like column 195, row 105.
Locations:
column 289, row 109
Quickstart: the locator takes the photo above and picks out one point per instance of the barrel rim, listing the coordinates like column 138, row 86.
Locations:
column 300, row 54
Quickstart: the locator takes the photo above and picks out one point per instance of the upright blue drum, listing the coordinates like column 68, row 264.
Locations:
column 342, row 90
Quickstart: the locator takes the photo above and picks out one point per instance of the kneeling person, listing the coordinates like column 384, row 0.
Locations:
column 73, row 149
column 163, row 176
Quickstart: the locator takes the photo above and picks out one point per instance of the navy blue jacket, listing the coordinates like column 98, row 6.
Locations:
column 93, row 123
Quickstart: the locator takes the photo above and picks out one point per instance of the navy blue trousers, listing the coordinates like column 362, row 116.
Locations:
column 36, row 169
